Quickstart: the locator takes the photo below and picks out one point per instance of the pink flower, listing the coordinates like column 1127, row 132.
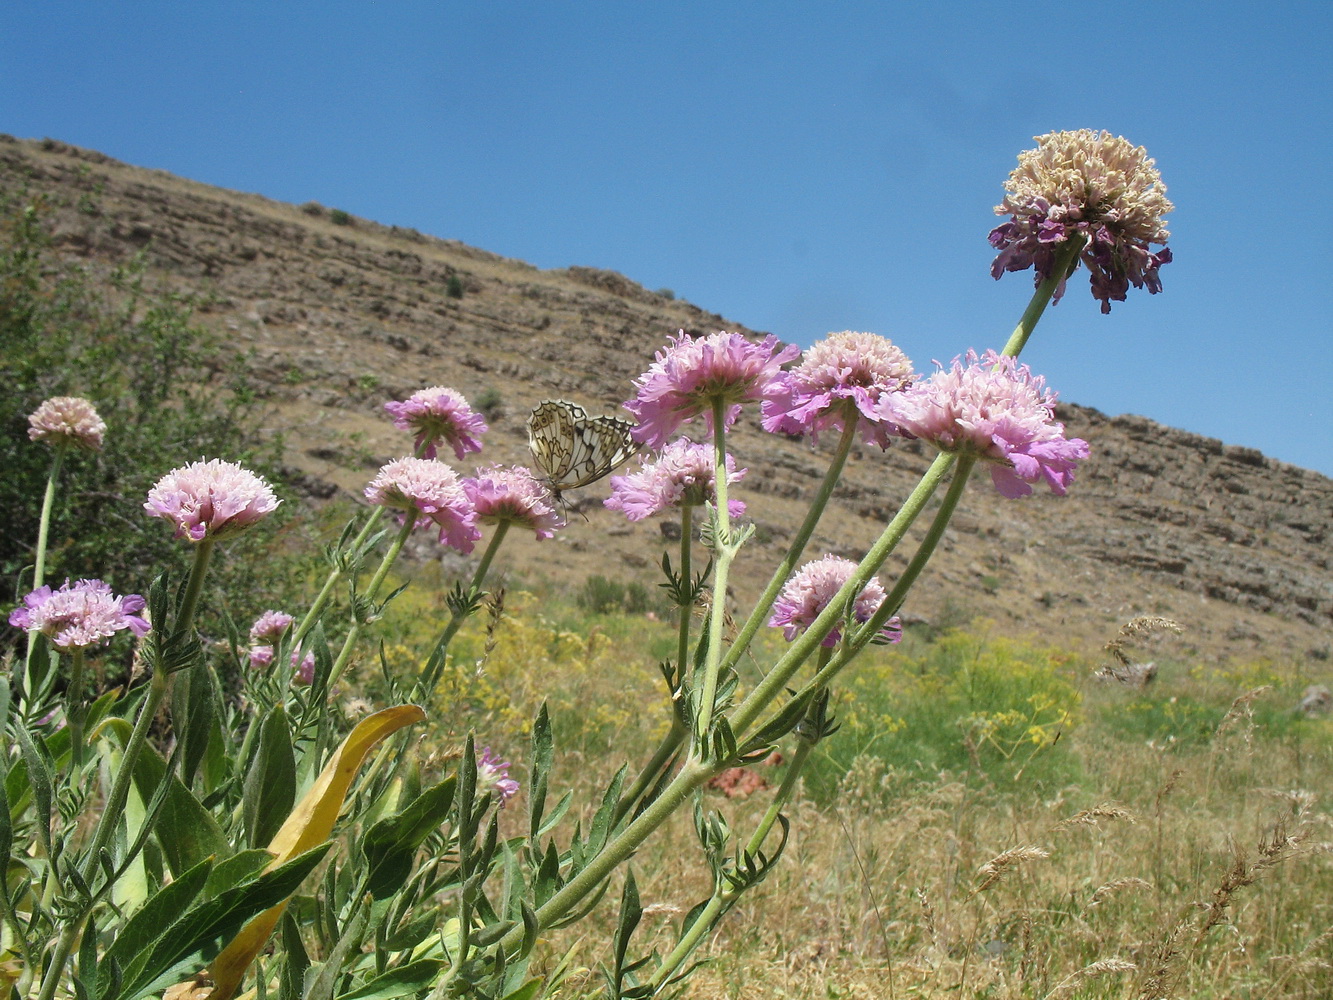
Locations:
column 999, row 411
column 683, row 475
column 513, row 496
column 261, row 657
column 213, row 499
column 429, row 487
column 269, row 627
column 844, row 372
column 439, row 414
column 67, row 420
column 1085, row 183
column 811, row 588
column 305, row 667
column 688, row 375
column 79, row 614
column 493, row 776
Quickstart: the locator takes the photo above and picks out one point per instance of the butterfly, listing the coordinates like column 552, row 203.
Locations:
column 572, row 449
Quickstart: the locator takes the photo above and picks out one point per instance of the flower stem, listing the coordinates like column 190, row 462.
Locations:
column 195, row 585
column 430, row 673
column 74, row 708
column 1066, row 259
column 44, row 525
column 686, row 607
column 798, row 542
column 372, row 591
column 322, row 599
column 724, row 551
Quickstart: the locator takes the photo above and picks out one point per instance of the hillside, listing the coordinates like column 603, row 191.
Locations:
column 341, row 314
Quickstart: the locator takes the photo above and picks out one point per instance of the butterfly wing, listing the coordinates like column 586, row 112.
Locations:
column 572, row 449
column 551, row 437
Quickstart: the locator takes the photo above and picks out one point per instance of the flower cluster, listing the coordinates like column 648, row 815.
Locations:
column 67, row 420
column 425, row 486
column 493, row 776
column 844, row 374
column 513, row 496
column 213, row 499
column 1092, row 185
column 80, row 614
column 996, row 409
column 809, row 591
column 439, row 415
column 264, row 634
column 683, row 475
column 689, row 375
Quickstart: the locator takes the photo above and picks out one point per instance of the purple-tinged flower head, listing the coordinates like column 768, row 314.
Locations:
column 67, row 420
column 493, row 776
column 80, row 614
column 688, row 375
column 261, row 657
column 998, row 410
column 428, row 487
column 809, row 591
column 213, row 499
column 512, row 495
column 1085, row 183
column 304, row 666
column 682, row 476
column 270, row 626
column 841, row 371
column 439, row 415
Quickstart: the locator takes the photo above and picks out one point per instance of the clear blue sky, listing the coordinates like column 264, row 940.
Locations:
column 797, row 167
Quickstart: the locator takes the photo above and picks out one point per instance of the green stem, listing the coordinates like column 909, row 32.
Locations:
column 760, row 613
column 686, row 588
column 194, row 587
column 661, row 757
column 44, row 525
column 335, row 574
column 74, row 708
column 430, row 673
column 773, row 684
column 723, row 552
column 1066, row 259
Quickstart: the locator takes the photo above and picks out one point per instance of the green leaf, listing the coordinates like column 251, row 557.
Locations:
column 240, row 867
column 133, row 941
column 185, row 830
column 527, row 991
column 411, row 978
column 543, row 750
column 390, row 844
column 270, row 783
column 294, row 969
column 192, row 713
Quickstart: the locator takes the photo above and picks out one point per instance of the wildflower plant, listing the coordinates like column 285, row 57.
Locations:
column 164, row 831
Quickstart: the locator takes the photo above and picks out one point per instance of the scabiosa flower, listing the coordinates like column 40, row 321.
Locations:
column 67, row 420
column 439, row 415
column 493, row 776
column 213, row 499
column 261, row 657
column 858, row 367
column 998, row 410
column 688, row 375
column 1087, row 183
column 270, row 626
column 305, row 667
column 425, row 486
column 811, row 588
column 513, row 495
column 682, row 476
column 80, row 614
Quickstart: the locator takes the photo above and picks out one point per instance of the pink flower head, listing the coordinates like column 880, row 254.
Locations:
column 493, row 776
column 683, row 475
column 261, row 657
column 688, row 375
column 80, row 614
column 67, row 420
column 513, row 495
column 429, row 487
column 843, row 372
column 998, row 410
column 305, row 667
column 439, row 414
column 809, row 591
column 213, row 499
column 1089, row 184
column 269, row 627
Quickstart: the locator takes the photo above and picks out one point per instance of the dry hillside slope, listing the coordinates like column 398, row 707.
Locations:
column 340, row 317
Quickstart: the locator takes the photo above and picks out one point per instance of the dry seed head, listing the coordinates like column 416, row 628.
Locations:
column 1107, row 966
column 1141, row 627
column 1089, row 817
column 1103, row 892
column 1001, row 865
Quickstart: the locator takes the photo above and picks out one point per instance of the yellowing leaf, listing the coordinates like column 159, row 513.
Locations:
column 309, row 825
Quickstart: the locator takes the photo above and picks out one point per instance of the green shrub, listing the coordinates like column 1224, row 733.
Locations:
column 339, row 218
column 454, row 287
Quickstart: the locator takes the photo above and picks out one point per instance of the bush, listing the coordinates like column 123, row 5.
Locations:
column 454, row 287
column 340, row 218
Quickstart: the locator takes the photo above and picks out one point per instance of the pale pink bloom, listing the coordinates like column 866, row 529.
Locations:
column 842, row 371
column 67, row 420
column 80, row 614
column 261, row 657
column 809, row 591
column 512, row 495
column 997, row 410
column 683, row 475
column 305, row 668
column 493, row 776
column 270, row 626
column 212, row 499
column 429, row 487
column 439, row 415
column 688, row 375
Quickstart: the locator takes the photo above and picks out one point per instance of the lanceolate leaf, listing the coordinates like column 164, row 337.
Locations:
column 270, row 784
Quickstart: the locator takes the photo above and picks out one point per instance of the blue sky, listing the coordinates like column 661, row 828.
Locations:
column 799, row 168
